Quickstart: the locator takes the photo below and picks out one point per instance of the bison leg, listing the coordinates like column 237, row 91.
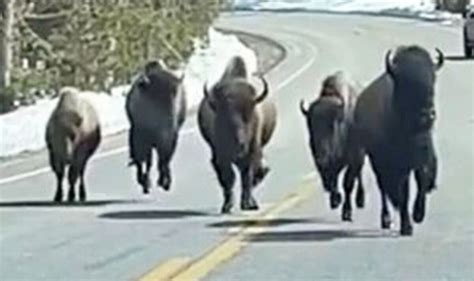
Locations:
column 82, row 185
column 384, row 181
column 261, row 171
column 166, row 151
column 140, row 153
column 226, row 177
column 83, row 155
column 247, row 201
column 349, row 179
column 58, row 168
column 360, row 195
column 335, row 197
column 406, row 229
column 73, row 174
column 426, row 181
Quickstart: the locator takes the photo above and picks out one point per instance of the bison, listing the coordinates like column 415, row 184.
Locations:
column 72, row 136
column 156, row 109
column 393, row 122
column 329, row 118
column 237, row 124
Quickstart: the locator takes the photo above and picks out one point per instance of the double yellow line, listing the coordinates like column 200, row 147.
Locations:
column 187, row 269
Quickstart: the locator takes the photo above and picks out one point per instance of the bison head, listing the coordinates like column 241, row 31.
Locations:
column 325, row 120
column 414, row 73
column 234, row 103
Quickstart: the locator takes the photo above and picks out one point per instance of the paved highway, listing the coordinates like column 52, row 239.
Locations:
column 122, row 235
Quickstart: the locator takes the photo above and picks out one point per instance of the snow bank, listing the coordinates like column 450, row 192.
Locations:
column 424, row 9
column 24, row 129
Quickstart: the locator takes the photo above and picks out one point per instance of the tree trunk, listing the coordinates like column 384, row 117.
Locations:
column 6, row 34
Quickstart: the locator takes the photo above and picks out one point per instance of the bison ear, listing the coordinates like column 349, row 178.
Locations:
column 303, row 108
column 389, row 67
column 440, row 63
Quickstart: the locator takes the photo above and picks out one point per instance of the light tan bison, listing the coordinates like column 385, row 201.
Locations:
column 72, row 136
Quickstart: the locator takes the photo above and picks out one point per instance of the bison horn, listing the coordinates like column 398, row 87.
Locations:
column 440, row 59
column 303, row 109
column 388, row 63
column 206, row 92
column 264, row 93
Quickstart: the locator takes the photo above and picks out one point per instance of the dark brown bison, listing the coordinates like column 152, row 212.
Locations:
column 72, row 136
column 237, row 124
column 393, row 123
column 156, row 109
column 329, row 118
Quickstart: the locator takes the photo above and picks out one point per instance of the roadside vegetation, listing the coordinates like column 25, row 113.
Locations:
column 92, row 45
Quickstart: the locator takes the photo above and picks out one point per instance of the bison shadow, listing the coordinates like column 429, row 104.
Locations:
column 52, row 204
column 152, row 214
column 458, row 58
column 265, row 223
column 319, row 235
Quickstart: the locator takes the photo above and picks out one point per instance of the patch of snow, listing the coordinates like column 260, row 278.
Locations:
column 24, row 129
column 424, row 9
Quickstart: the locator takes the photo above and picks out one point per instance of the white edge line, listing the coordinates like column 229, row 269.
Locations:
column 122, row 149
column 99, row 156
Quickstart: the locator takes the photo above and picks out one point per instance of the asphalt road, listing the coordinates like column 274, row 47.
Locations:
column 122, row 235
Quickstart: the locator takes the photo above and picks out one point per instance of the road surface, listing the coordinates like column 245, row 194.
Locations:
column 122, row 235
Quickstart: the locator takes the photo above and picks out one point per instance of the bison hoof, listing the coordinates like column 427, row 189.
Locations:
column 260, row 175
column 406, row 230
column 386, row 222
column 346, row 215
column 419, row 210
column 360, row 199
column 71, row 196
column 144, row 181
column 335, row 200
column 82, row 197
column 164, row 182
column 58, row 197
column 226, row 208
column 249, row 205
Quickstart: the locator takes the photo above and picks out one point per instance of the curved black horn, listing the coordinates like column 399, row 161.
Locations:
column 440, row 59
column 206, row 93
column 264, row 93
column 388, row 63
column 302, row 108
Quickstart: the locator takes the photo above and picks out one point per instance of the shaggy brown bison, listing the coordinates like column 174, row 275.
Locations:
column 156, row 109
column 72, row 136
column 237, row 124
column 393, row 123
column 329, row 118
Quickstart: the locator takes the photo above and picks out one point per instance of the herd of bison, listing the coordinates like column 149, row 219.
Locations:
column 390, row 121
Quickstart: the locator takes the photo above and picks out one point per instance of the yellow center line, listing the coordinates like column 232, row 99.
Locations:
column 166, row 270
column 178, row 270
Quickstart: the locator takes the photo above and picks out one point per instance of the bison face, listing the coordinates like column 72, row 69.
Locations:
column 234, row 103
column 414, row 73
column 325, row 120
